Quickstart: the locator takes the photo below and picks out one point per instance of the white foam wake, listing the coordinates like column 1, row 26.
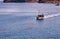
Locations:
column 53, row 15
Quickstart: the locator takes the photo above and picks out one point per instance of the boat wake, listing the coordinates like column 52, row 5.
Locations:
column 53, row 15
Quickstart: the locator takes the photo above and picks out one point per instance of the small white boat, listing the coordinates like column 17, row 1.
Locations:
column 40, row 17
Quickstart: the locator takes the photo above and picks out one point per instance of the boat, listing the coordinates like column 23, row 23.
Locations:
column 40, row 17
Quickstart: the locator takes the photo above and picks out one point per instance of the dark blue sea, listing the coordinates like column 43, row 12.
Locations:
column 18, row 21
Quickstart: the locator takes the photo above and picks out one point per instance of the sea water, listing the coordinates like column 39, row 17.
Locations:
column 15, row 24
